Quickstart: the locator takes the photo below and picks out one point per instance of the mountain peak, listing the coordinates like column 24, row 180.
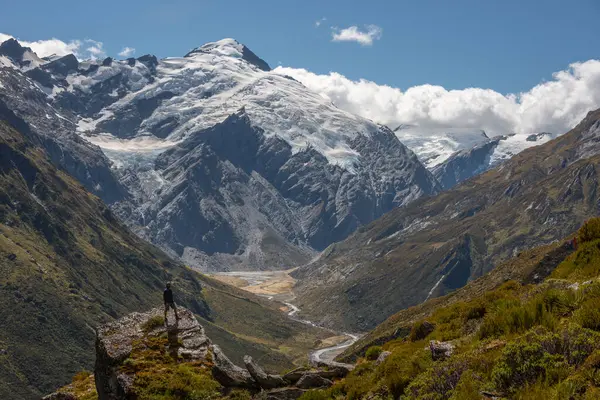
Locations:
column 229, row 47
column 13, row 49
column 22, row 56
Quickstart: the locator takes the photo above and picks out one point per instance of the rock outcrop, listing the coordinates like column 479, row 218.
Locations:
column 266, row 381
column 382, row 357
column 228, row 374
column 312, row 380
column 440, row 350
column 114, row 344
column 128, row 348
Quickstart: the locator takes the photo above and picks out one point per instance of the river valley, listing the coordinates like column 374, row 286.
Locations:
column 278, row 286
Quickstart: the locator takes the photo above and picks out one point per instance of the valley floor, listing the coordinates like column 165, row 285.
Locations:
column 278, row 286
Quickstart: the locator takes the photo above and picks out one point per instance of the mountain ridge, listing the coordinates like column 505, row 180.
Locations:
column 439, row 243
column 135, row 112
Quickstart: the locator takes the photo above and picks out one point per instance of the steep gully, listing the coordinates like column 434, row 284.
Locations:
column 277, row 286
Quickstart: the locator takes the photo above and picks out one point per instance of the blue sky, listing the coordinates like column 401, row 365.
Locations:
column 508, row 45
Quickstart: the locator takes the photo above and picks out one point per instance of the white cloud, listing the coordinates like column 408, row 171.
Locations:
column 95, row 50
column 554, row 106
column 353, row 34
column 49, row 47
column 44, row 48
column 320, row 21
column 127, row 52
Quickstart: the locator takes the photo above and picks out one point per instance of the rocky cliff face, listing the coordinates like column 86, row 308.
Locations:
column 213, row 156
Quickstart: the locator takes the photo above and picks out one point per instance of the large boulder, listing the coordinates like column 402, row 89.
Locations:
column 114, row 343
column 265, row 381
column 313, row 380
column 332, row 364
column 228, row 374
column 382, row 357
column 288, row 393
column 440, row 350
column 332, row 372
column 294, row 375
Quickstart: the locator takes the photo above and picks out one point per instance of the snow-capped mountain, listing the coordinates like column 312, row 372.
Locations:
column 456, row 154
column 433, row 146
column 467, row 163
column 224, row 162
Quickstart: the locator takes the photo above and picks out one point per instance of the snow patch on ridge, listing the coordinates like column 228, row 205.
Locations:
column 211, row 83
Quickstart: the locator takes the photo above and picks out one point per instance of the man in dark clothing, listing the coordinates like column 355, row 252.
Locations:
column 169, row 301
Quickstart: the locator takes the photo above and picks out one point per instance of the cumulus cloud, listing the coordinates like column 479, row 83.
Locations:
column 353, row 34
column 57, row 47
column 554, row 106
column 320, row 21
column 95, row 49
column 44, row 48
column 127, row 52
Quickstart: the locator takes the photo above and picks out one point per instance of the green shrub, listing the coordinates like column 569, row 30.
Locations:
column 560, row 302
column 81, row 376
column 583, row 264
column 590, row 230
column 238, row 394
column 524, row 363
column 476, row 310
column 373, row 352
column 439, row 381
column 512, row 316
column 420, row 330
column 182, row 382
column 546, row 357
column 402, row 366
column 468, row 388
column 153, row 323
column 588, row 315
column 315, row 395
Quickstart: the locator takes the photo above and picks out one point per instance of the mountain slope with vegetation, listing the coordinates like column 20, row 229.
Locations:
column 436, row 245
column 527, row 338
column 67, row 265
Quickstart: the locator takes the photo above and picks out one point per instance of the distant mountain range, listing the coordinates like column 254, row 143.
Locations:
column 437, row 244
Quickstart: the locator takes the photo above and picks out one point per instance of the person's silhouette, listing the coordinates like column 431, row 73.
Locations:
column 169, row 301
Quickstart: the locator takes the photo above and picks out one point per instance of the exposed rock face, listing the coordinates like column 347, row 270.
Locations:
column 228, row 374
column 295, row 375
column 382, row 357
column 25, row 106
column 114, row 344
column 440, row 350
column 265, row 381
column 241, row 190
column 313, row 380
column 465, row 164
column 289, row 393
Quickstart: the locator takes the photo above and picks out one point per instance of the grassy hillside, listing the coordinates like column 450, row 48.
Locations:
column 67, row 265
column 436, row 245
column 516, row 341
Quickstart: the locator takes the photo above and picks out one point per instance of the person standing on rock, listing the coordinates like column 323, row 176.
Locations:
column 169, row 301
